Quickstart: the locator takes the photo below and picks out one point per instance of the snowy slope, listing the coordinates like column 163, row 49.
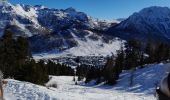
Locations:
column 143, row 88
column 145, row 80
column 84, row 48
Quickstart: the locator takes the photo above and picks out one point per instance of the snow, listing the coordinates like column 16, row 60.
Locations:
column 84, row 48
column 31, row 14
column 142, row 89
column 97, row 23
column 3, row 2
column 145, row 80
column 15, row 22
column 61, row 15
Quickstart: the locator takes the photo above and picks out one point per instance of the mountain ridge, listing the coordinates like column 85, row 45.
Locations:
column 149, row 23
column 67, row 31
column 58, row 30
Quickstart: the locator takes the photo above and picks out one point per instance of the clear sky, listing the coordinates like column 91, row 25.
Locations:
column 102, row 9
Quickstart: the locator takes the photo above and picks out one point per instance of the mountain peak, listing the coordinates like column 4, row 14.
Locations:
column 155, row 9
column 40, row 6
column 4, row 3
column 155, row 12
column 152, row 22
column 70, row 9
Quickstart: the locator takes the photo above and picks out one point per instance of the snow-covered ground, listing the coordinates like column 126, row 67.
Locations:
column 145, row 81
column 85, row 48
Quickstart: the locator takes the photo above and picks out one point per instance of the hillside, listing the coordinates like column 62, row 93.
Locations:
column 151, row 23
column 142, row 89
column 56, row 30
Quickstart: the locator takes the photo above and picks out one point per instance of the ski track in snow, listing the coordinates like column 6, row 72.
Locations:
column 142, row 89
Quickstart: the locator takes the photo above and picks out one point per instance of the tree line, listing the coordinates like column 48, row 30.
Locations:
column 16, row 61
column 133, row 54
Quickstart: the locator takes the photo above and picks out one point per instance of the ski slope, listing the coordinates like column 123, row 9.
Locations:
column 145, row 81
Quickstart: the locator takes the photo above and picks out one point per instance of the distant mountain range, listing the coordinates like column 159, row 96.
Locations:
column 67, row 32
column 57, row 30
column 151, row 23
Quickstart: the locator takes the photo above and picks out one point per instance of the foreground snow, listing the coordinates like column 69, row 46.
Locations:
column 143, row 88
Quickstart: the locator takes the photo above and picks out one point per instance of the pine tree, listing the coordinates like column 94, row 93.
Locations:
column 8, row 54
column 108, row 71
column 93, row 73
column 133, row 49
column 81, row 71
column 133, row 57
column 119, row 62
column 150, row 50
column 43, row 72
column 161, row 52
column 23, row 50
column 16, row 60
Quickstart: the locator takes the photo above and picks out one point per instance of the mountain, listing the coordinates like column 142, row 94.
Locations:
column 68, row 32
column 152, row 23
column 57, row 30
column 121, row 19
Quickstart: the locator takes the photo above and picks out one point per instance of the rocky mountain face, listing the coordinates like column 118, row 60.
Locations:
column 53, row 29
column 151, row 23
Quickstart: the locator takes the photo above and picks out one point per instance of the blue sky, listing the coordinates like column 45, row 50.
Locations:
column 102, row 9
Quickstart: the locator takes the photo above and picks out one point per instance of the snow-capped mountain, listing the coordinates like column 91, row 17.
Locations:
column 149, row 23
column 70, row 32
column 56, row 30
